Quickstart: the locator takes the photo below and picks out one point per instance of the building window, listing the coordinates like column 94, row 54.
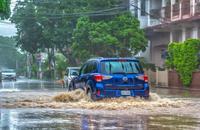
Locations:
column 188, row 33
column 143, row 8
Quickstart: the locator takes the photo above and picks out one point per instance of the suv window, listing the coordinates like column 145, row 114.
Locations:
column 83, row 69
column 118, row 67
column 91, row 67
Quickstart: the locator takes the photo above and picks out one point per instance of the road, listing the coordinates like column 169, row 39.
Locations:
column 30, row 104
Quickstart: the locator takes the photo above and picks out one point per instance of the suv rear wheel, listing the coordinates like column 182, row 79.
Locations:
column 90, row 94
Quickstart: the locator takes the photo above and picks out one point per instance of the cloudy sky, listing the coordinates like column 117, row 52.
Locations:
column 6, row 28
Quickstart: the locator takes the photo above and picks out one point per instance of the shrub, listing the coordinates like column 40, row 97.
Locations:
column 183, row 57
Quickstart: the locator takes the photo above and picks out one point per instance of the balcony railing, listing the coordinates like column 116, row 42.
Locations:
column 176, row 9
column 186, row 7
column 166, row 12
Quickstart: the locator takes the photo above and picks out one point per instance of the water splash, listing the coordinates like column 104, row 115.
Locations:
column 78, row 99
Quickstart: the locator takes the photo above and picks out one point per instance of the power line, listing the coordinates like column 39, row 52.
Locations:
column 77, row 15
column 95, row 13
column 105, row 12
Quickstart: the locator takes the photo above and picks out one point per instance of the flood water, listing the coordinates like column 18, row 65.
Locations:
column 23, row 119
column 177, row 109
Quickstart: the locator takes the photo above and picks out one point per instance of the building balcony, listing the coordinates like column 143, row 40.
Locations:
column 182, row 10
column 176, row 10
column 186, row 8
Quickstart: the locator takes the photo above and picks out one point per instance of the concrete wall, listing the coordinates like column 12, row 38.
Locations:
column 175, row 82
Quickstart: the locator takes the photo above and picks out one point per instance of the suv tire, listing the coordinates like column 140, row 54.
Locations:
column 91, row 95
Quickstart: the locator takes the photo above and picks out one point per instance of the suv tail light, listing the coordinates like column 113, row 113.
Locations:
column 143, row 77
column 98, row 78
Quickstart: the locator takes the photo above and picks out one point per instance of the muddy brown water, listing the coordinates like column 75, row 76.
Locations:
column 45, row 106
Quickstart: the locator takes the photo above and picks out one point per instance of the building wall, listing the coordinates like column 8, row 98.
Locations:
column 170, row 12
column 159, row 44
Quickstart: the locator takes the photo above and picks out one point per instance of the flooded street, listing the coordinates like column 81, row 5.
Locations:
column 22, row 119
column 34, row 104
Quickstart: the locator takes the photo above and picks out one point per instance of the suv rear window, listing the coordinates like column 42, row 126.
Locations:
column 121, row 67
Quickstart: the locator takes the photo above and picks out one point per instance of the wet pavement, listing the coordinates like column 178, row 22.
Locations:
column 29, row 104
column 22, row 119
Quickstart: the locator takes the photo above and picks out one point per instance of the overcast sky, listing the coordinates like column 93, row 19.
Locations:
column 6, row 28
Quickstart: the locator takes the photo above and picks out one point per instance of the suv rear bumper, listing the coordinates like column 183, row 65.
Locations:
column 134, row 92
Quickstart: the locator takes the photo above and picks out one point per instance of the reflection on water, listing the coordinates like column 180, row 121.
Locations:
column 177, row 93
column 22, row 119
column 11, row 86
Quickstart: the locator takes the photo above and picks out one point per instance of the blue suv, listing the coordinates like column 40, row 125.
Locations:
column 112, row 77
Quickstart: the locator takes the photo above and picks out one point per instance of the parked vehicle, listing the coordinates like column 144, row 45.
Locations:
column 8, row 74
column 70, row 73
column 112, row 77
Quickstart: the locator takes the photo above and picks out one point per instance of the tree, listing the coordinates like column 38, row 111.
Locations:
column 29, row 31
column 55, row 21
column 10, row 57
column 119, row 36
column 4, row 9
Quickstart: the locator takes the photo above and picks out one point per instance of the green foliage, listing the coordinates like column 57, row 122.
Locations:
column 79, row 29
column 10, row 57
column 44, row 25
column 4, row 9
column 29, row 31
column 120, row 36
column 61, row 64
column 183, row 57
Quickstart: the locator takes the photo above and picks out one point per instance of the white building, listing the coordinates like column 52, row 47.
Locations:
column 166, row 21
